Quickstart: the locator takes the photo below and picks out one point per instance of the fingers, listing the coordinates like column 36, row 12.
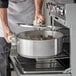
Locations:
column 6, row 36
column 7, row 32
column 41, row 18
column 7, row 40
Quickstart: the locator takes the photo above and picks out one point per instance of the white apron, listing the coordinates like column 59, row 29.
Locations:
column 19, row 11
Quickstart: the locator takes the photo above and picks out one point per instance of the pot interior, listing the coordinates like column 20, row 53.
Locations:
column 39, row 35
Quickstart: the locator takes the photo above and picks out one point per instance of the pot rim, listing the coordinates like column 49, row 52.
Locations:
column 39, row 40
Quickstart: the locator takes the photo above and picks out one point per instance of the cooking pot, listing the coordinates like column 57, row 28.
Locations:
column 39, row 48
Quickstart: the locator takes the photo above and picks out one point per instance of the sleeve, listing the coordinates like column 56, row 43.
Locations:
column 4, row 3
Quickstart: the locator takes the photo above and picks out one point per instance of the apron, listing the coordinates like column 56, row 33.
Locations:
column 20, row 11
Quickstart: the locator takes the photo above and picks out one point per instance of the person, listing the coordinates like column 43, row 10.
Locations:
column 13, row 12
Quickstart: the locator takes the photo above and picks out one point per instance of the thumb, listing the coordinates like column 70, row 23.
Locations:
column 7, row 40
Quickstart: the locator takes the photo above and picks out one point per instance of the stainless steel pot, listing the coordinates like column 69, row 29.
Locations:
column 27, row 47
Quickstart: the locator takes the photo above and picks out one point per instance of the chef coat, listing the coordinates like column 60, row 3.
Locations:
column 19, row 11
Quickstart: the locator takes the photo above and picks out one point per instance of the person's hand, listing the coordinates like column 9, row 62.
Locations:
column 7, row 32
column 39, row 15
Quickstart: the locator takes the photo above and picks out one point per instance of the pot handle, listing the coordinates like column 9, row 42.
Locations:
column 12, row 39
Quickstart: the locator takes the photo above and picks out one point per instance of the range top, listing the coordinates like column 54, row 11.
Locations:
column 27, row 65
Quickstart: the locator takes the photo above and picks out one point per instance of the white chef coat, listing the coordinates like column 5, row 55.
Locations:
column 19, row 11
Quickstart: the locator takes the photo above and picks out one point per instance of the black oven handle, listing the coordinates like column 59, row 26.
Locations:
column 60, row 20
column 56, row 18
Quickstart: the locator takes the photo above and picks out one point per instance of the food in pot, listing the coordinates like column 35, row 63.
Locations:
column 39, row 37
column 36, row 35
